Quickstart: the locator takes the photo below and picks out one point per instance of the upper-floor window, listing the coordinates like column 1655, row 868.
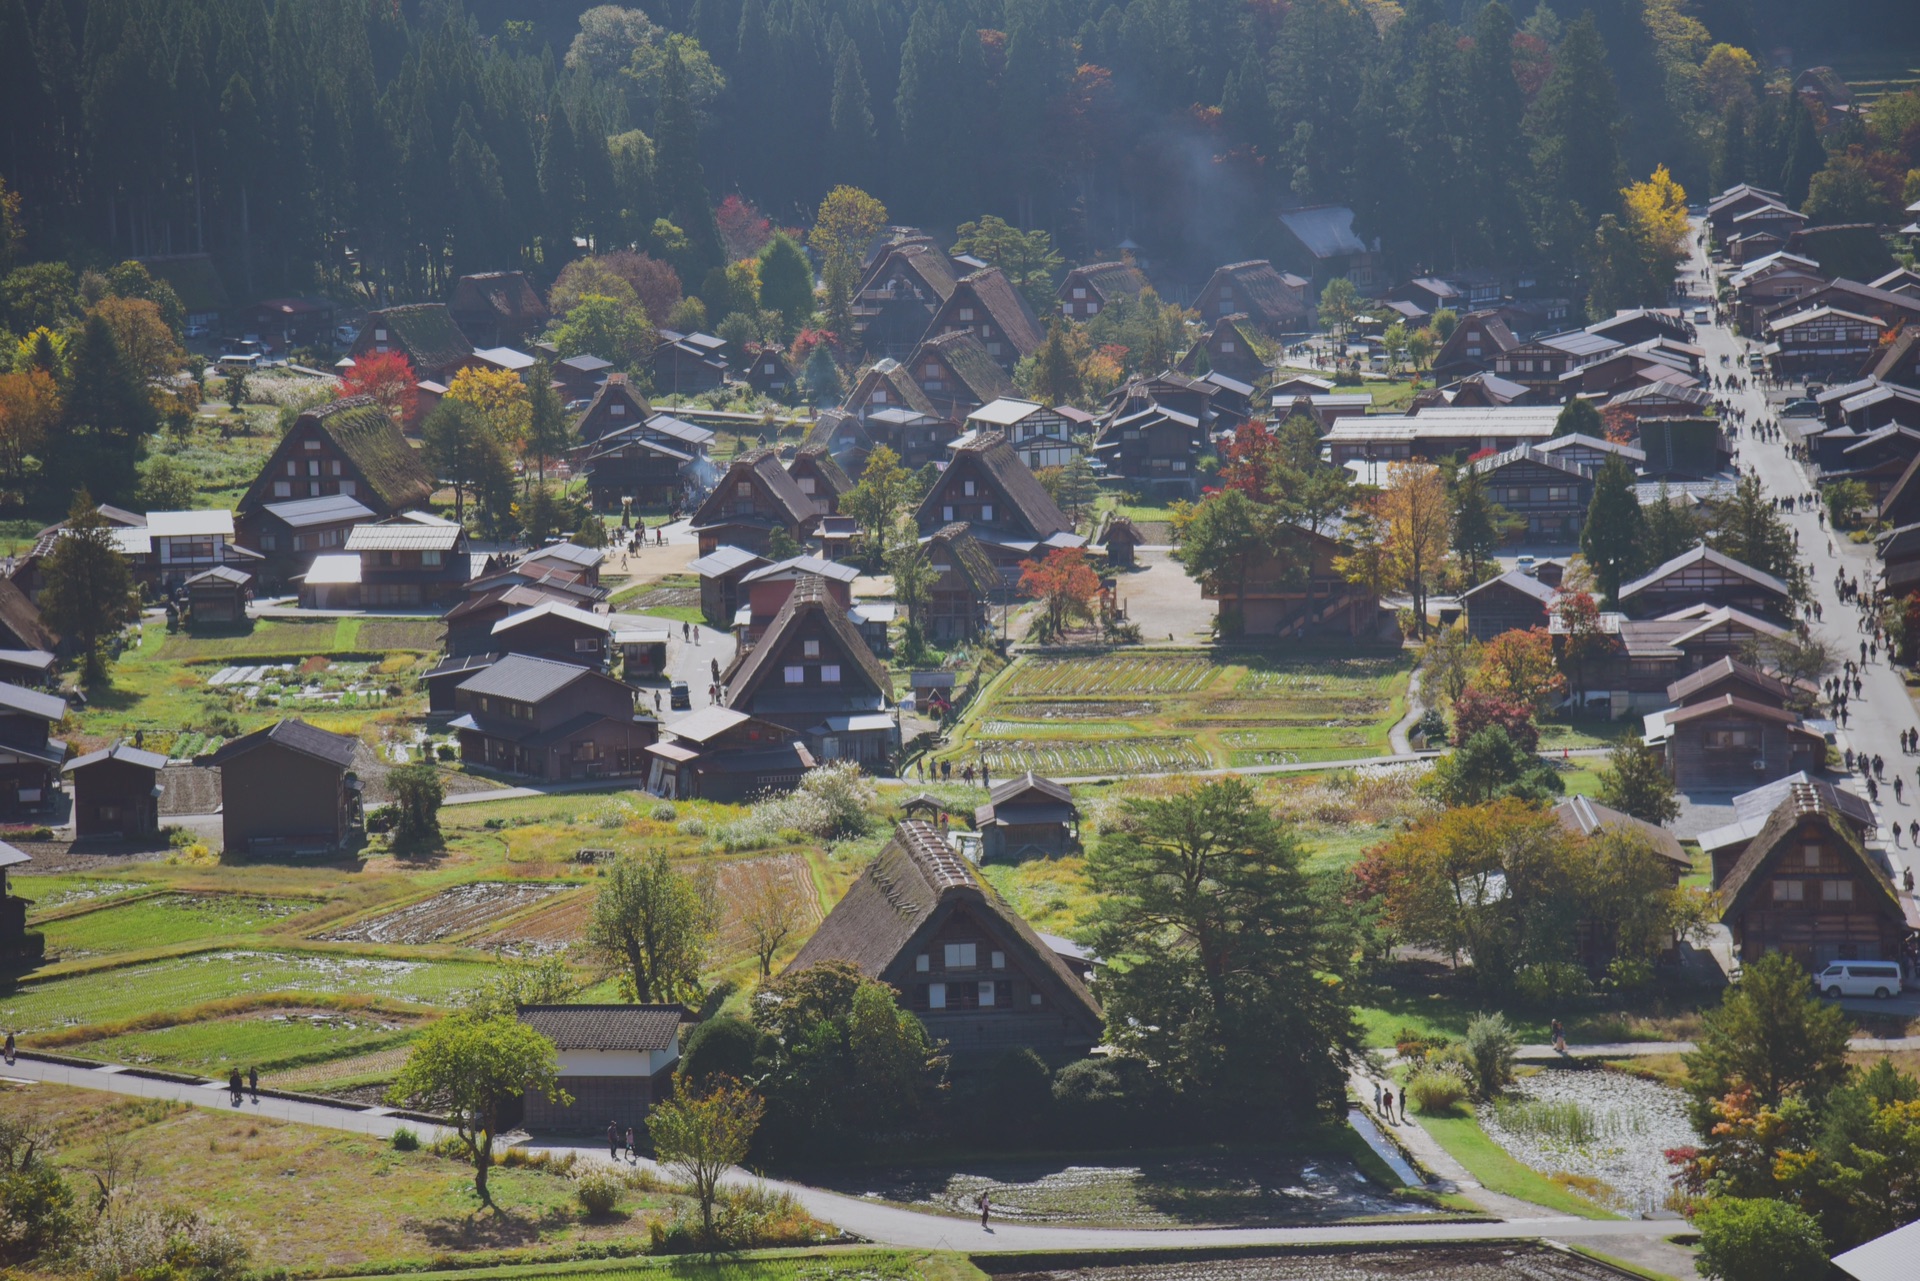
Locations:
column 743, row 489
column 966, row 488
column 810, row 649
column 796, row 675
column 960, row 956
column 986, row 511
column 617, row 410
column 1787, row 891
column 830, row 673
column 1837, row 891
column 806, row 484
column 966, row 313
column 1078, row 292
column 431, row 559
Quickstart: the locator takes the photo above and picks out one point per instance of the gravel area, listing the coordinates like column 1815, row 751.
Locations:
column 1633, row 1122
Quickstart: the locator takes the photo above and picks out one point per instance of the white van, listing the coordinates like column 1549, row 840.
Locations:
column 1859, row 978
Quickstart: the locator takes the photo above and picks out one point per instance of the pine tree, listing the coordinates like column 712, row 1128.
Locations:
column 1055, row 379
column 480, row 238
column 786, row 282
column 1730, row 155
column 549, row 431
column 1495, row 151
column 1804, row 154
column 852, row 119
column 89, row 593
column 678, row 177
column 1576, row 155
column 1579, row 418
column 559, row 186
column 1613, row 538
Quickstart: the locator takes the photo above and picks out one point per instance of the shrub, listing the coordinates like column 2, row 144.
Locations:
column 1489, row 1050
column 36, row 1211
column 598, row 1191
column 691, row 827
column 1439, row 1087
column 1552, row 982
column 664, row 812
column 405, row 1140
column 723, row 1046
column 131, row 1239
column 445, row 751
column 1022, row 1085
column 1744, row 1239
column 1409, row 1044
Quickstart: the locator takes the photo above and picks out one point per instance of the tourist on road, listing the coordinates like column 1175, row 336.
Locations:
column 9, row 1055
column 986, row 1208
column 233, row 1086
column 613, row 1140
column 1899, row 786
column 1559, row 1037
column 633, row 1149
column 253, row 1084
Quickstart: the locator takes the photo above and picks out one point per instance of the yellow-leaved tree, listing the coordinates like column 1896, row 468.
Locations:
column 500, row 397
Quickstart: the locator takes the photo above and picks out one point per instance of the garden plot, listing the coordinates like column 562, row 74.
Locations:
column 54, row 893
column 1067, row 758
column 1428, row 1261
column 1322, row 675
column 448, row 914
column 271, row 1040
column 1607, row 1129
column 318, row 684
column 163, row 921
column 740, row 883
column 665, row 598
column 1110, row 674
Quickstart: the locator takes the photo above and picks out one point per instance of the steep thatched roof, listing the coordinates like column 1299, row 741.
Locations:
column 808, row 599
column 1780, row 834
column 21, row 626
column 425, row 332
column 361, row 430
column 964, row 354
column 968, row 556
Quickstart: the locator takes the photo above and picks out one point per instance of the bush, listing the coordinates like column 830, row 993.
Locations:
column 723, row 1046
column 1744, row 1239
column 36, row 1211
column 664, row 812
column 1439, row 1087
column 1409, row 1044
column 1022, row 1085
column 1552, row 983
column 134, row 1240
column 1489, row 1050
column 405, row 1140
column 598, row 1191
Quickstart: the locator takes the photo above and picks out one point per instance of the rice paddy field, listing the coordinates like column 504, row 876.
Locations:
column 1155, row 712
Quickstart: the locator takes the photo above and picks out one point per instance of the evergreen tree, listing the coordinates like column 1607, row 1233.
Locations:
column 89, row 593
column 1495, row 151
column 1576, row 155
column 1731, row 148
column 1614, row 534
column 1804, row 155
column 1315, row 91
column 678, row 176
column 481, row 240
column 1579, row 418
column 1056, row 381
column 852, row 132
column 786, row 282
column 560, row 187
column 1479, row 523
column 549, row 430
column 1671, row 528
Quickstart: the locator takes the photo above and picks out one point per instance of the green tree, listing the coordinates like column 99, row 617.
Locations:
column 607, row 328
column 1672, row 528
column 679, row 179
column 1747, row 526
column 166, row 485
column 656, row 924
column 821, row 376
column 1479, row 523
column 1770, row 1035
column 1490, row 765
column 786, row 283
column 1339, row 306
column 1027, row 257
column 1579, row 418
column 1573, row 123
column 913, row 579
column 879, row 496
column 549, row 432
column 1056, row 379
column 1759, row 1239
column 89, row 593
column 1613, row 537
column 417, row 794
column 702, row 1136
column 1221, row 540
column 1215, row 970
column 455, row 439
column 850, row 116
column 469, row 1068
column 1635, row 782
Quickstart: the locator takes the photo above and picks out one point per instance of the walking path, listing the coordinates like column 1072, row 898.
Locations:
column 895, row 1226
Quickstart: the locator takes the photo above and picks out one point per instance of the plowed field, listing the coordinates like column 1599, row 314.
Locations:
column 448, row 914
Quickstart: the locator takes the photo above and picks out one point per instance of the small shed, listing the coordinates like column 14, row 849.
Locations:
column 925, row 806
column 615, row 1061
column 1027, row 817
column 13, row 911
column 447, row 675
column 1122, row 538
column 218, row 597
column 643, row 652
column 116, row 792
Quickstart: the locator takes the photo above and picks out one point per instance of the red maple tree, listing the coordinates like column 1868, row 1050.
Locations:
column 1064, row 582
column 388, row 377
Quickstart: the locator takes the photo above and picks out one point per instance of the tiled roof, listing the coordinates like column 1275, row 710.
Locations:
column 524, row 678
column 32, row 702
column 606, row 1027
column 298, row 736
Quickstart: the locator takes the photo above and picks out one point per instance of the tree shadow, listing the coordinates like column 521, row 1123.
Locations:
column 491, row 1229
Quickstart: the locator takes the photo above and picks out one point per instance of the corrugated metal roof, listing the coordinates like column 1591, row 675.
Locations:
column 407, row 537
column 32, row 702
column 325, row 510
column 194, row 524
column 524, row 678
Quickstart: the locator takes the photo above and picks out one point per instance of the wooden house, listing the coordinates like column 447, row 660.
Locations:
column 1010, row 515
column 1730, row 727
column 1850, row 297
column 986, row 305
column 755, row 497
column 616, row 406
column 289, row 534
column 425, row 333
column 346, row 448
column 1027, row 817
column 288, row 788
column 658, row 462
column 719, row 754
column 1438, row 432
column 579, row 377
column 902, row 289
column 554, row 630
column 22, row 630
column 1661, row 398
column 922, row 920
column 1321, row 241
column 174, row 546
column 820, row 478
column 615, row 1063
column 1879, row 460
column 889, row 408
column 1121, row 539
column 550, row 720
column 442, row 681
column 1807, row 887
column 1272, row 301
column 965, row 585
column 1737, row 200
column 1724, row 845
column 720, row 572
column 1089, row 290
column 1588, row 453
column 1898, row 361
column 1226, row 348
column 405, row 564
column 1515, row 601
column 958, row 374
column 769, row 372
column 1273, row 599
column 765, row 591
column 218, row 597
column 1584, row 816
column 1704, row 576
column 565, row 580
column 1822, row 340
column 497, row 308
column 469, row 621
column 1482, row 390
column 116, row 792
column 1041, row 435
column 688, row 364
column 813, row 672
column 1480, row 339
column 1549, row 495
column 13, row 909
column 30, row 757
column 285, row 323
column 1899, row 550
column 584, row 562
column 1542, row 363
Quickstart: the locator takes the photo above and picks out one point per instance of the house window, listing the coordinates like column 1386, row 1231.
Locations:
column 960, row 956
column 923, row 963
column 1810, row 855
column 999, row 960
column 1093, row 309
column 309, row 444
column 313, row 489
column 993, row 349
column 348, row 488
column 1079, row 292
column 936, row 996
column 744, row 489
column 586, row 750
column 966, row 488
column 336, row 466
column 313, row 467
column 271, row 542
column 830, row 674
column 281, row 489
column 618, row 411
column 986, row 993
column 966, row 313
column 293, row 468
column 810, row 649
column 1227, row 347
column 879, row 395
column 1726, row 738
column 379, row 335
column 430, row 559
column 986, row 511
column 942, row 569
column 1837, row 891
column 586, row 645
column 806, row 484
column 946, row 513
column 796, row 675
column 1787, row 891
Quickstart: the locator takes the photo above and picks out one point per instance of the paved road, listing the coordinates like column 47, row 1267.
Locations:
column 1884, row 709
column 891, row 1225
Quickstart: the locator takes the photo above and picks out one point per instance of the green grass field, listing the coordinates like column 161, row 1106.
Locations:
column 1488, row 1162
column 271, row 1039
column 1146, row 711
column 178, row 982
column 164, row 921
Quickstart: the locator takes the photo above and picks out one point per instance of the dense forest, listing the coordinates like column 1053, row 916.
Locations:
column 391, row 144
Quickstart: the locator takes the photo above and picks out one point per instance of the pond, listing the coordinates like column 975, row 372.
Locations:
column 1428, row 1261
column 1237, row 1190
column 1609, row 1130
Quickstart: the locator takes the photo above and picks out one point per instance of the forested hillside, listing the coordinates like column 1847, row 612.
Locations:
column 397, row 144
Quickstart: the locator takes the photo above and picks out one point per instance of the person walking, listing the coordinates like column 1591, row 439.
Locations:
column 253, row 1083
column 1899, row 786
column 233, row 1086
column 633, row 1150
column 9, row 1055
column 986, row 1209
column 1559, row 1037
column 613, row 1141
column 686, row 632
column 1376, row 1093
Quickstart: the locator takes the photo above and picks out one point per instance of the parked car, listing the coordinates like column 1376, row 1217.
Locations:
column 1859, row 978
column 1701, row 315
column 196, row 331
column 345, row 334
column 679, row 698
column 1801, row 408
